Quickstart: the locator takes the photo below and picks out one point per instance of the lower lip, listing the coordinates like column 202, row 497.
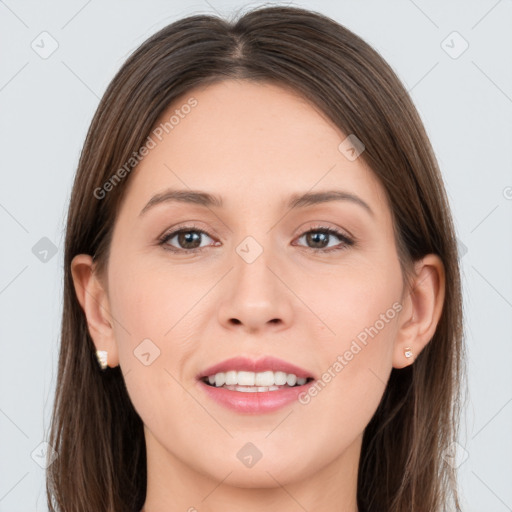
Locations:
column 254, row 402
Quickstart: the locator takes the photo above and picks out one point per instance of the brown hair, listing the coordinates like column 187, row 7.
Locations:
column 96, row 431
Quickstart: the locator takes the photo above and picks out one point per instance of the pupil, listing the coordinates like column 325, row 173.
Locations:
column 187, row 238
column 316, row 237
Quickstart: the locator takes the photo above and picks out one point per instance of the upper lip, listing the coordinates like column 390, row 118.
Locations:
column 255, row 365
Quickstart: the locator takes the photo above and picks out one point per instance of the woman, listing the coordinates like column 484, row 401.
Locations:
column 261, row 255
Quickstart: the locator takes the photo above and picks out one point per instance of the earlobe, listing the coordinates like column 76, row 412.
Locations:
column 422, row 308
column 93, row 299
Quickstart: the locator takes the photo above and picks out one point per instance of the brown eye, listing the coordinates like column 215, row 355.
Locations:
column 319, row 238
column 188, row 239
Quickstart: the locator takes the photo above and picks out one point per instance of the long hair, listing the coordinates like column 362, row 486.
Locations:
column 98, row 435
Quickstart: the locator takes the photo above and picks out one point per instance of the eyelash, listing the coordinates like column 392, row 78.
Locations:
column 346, row 241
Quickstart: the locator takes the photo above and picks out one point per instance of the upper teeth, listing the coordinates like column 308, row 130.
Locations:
column 265, row 379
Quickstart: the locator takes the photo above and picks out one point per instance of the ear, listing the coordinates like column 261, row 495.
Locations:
column 94, row 301
column 422, row 308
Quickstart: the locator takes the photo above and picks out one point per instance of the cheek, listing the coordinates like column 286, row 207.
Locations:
column 152, row 344
column 357, row 301
column 150, row 300
column 362, row 309
column 156, row 318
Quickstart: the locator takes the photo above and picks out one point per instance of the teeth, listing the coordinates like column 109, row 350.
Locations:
column 264, row 379
column 252, row 389
column 291, row 379
column 220, row 379
column 231, row 378
column 245, row 378
column 261, row 381
column 280, row 378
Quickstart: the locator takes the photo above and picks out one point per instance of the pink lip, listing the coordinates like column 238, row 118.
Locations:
column 259, row 365
column 254, row 402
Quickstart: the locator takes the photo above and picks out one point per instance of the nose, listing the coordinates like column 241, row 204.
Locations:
column 256, row 296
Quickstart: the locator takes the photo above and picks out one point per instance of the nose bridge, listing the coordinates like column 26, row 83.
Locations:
column 253, row 261
column 256, row 294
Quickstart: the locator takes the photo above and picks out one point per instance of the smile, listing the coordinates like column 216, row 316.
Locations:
column 244, row 381
column 254, row 386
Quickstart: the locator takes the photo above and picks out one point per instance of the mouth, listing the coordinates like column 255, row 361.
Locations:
column 254, row 386
column 252, row 382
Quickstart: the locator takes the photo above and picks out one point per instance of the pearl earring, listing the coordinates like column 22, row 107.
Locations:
column 102, row 358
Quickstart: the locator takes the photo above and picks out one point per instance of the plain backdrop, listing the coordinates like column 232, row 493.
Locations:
column 454, row 58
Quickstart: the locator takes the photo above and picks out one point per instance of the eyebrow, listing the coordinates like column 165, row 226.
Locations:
column 184, row 196
column 295, row 201
column 313, row 198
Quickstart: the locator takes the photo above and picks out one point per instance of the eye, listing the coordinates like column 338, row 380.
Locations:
column 188, row 239
column 321, row 236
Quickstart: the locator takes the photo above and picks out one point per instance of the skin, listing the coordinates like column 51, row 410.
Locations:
column 254, row 145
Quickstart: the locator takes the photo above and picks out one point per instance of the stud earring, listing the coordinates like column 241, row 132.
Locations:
column 101, row 355
column 408, row 352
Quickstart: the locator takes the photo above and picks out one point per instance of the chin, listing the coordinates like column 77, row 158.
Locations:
column 273, row 469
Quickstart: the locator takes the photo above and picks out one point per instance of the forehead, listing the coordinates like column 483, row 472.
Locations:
column 245, row 139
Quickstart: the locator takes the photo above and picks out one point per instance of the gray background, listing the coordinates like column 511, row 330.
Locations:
column 46, row 107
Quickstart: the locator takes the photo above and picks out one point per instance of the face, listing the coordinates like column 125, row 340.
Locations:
column 317, row 285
